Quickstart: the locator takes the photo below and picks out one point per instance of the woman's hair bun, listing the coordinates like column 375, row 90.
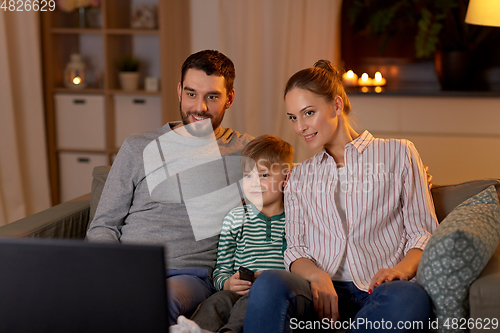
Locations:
column 326, row 65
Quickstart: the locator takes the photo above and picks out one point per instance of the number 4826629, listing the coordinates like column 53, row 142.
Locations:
column 28, row 5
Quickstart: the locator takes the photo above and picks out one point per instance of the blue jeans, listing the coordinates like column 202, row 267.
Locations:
column 186, row 289
column 280, row 301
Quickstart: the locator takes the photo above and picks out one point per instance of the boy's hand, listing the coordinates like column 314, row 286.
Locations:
column 234, row 283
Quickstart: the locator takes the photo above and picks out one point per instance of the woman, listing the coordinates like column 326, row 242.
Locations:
column 358, row 215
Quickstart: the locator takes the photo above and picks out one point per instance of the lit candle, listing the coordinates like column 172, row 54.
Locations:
column 77, row 80
column 350, row 78
column 379, row 80
column 365, row 80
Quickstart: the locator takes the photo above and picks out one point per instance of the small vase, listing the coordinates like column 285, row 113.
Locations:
column 454, row 70
column 129, row 80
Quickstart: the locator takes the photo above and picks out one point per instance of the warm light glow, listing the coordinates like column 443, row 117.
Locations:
column 364, row 89
column 364, row 77
column 484, row 12
column 379, row 80
column 378, row 90
column 77, row 80
column 350, row 78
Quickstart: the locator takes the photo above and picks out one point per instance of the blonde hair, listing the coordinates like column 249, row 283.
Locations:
column 322, row 79
column 267, row 150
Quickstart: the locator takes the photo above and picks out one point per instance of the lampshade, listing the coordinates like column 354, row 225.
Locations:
column 484, row 12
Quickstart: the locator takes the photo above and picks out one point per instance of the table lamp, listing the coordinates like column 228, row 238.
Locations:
column 483, row 12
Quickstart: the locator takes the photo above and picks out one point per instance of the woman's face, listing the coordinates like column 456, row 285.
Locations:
column 313, row 118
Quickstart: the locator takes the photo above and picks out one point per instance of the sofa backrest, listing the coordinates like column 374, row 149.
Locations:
column 446, row 197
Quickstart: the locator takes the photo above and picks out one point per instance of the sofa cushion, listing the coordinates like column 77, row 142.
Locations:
column 457, row 252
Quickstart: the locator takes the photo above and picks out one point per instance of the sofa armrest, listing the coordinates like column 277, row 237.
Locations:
column 484, row 294
column 66, row 220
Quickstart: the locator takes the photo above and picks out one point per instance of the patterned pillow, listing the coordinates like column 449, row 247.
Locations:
column 456, row 254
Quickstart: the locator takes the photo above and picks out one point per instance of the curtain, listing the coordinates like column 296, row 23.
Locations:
column 24, row 185
column 268, row 41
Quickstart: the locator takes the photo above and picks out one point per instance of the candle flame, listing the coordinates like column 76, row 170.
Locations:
column 364, row 77
column 378, row 76
column 77, row 80
column 350, row 74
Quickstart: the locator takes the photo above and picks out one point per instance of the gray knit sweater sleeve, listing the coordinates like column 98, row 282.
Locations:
column 116, row 198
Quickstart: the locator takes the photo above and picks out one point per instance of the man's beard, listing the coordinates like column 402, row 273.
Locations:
column 201, row 128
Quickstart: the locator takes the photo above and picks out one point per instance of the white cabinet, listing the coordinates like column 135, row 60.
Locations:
column 136, row 114
column 80, row 121
column 76, row 173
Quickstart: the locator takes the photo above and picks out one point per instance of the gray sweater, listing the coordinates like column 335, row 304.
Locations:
column 166, row 189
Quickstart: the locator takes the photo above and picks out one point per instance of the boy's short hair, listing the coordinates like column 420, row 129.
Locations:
column 267, row 150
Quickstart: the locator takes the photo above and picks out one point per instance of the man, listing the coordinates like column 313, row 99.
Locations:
column 173, row 186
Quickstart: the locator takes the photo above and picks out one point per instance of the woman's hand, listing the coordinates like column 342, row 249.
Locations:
column 325, row 297
column 386, row 274
column 406, row 269
column 234, row 283
column 429, row 176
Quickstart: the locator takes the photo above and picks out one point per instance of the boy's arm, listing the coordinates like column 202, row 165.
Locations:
column 224, row 268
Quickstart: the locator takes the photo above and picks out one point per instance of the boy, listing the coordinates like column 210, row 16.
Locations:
column 252, row 236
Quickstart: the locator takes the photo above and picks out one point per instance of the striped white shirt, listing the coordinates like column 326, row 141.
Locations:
column 251, row 239
column 389, row 208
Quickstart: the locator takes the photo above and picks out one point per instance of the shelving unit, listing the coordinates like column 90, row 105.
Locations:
column 100, row 47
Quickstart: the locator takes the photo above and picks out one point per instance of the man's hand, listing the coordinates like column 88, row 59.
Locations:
column 234, row 283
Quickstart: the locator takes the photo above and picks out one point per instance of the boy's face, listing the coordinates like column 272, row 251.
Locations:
column 263, row 186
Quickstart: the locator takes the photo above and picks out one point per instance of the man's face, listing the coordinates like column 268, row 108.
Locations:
column 203, row 100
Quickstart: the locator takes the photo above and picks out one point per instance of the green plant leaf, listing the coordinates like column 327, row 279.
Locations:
column 128, row 63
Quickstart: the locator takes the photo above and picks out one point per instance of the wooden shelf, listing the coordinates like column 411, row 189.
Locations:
column 82, row 151
column 78, row 31
column 78, row 91
column 161, row 51
column 134, row 92
column 131, row 32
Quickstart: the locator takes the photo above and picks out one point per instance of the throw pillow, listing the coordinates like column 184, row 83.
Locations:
column 456, row 254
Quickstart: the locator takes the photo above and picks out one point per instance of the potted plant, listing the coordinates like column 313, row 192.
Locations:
column 439, row 27
column 128, row 67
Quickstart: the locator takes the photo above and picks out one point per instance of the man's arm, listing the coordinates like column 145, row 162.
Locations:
column 115, row 200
